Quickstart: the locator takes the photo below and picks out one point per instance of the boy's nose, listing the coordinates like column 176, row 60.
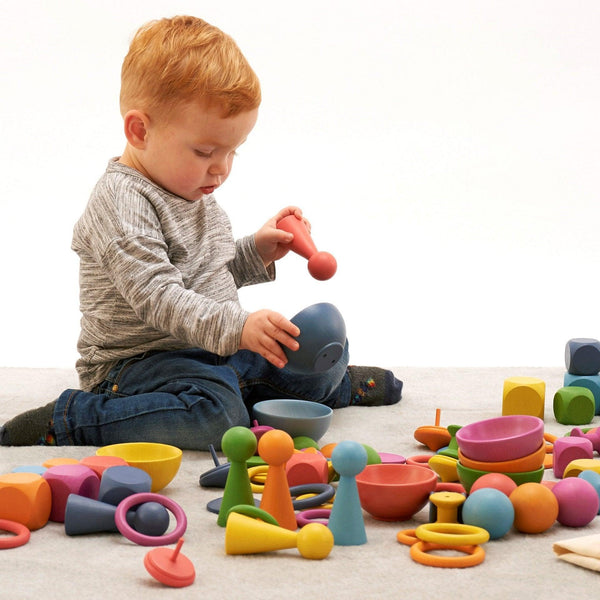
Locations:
column 219, row 168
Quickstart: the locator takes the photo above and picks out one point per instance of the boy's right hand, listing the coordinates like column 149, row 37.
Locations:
column 263, row 333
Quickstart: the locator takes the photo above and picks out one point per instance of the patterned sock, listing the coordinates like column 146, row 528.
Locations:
column 373, row 386
column 31, row 428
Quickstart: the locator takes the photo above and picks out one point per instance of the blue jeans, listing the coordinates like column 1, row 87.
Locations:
column 187, row 398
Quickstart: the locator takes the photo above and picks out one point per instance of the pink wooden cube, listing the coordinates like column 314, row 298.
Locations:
column 567, row 449
column 70, row 479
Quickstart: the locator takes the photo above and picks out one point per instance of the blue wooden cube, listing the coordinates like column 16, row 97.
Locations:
column 582, row 356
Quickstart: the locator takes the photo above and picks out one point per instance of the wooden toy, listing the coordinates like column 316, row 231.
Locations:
column 451, row 449
column 150, row 540
column 22, row 534
column 160, row 461
column 238, row 444
column 119, row 482
column 445, row 507
column 305, row 468
column 593, row 435
column 85, row 515
column 217, row 476
column 25, row 498
column 305, row 444
column 468, row 476
column 248, row 535
column 501, row 438
column 529, row 462
column 320, row 493
column 524, row 396
column 433, row 436
column 170, row 567
column 59, row 461
column 490, row 509
column 69, row 479
column 99, row 464
column 593, row 478
column 322, row 340
column 392, row 458
column 321, row 265
column 444, row 467
column 258, row 430
column 346, row 519
column 591, row 382
column 536, row 508
column 577, row 466
column 424, row 553
column 582, row 356
column 313, row 515
column 37, row 469
column 394, row 492
column 578, row 502
column 295, row 417
column 452, row 534
column 497, row 481
column 567, row 449
column 276, row 447
column 574, row 405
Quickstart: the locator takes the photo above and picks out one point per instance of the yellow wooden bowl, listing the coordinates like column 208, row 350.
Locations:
column 160, row 461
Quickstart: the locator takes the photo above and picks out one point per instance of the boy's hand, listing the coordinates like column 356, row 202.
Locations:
column 264, row 330
column 272, row 243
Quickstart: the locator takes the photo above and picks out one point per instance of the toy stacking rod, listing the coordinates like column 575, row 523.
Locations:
column 321, row 265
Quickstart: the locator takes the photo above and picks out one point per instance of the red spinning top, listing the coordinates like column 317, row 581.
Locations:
column 170, row 566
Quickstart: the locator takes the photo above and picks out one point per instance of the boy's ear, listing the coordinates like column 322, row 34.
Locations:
column 136, row 123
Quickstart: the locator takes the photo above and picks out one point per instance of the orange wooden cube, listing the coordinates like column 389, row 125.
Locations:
column 25, row 498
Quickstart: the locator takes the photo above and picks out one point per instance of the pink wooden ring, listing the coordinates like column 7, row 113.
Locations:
column 150, row 540
column 315, row 515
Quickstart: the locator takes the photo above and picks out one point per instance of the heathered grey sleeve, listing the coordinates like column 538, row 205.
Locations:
column 140, row 270
column 247, row 267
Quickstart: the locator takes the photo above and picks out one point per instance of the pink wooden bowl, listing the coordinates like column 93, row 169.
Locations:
column 501, row 438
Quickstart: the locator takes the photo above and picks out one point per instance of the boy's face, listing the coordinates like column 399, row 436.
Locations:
column 191, row 154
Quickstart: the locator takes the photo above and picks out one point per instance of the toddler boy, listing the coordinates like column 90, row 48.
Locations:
column 167, row 353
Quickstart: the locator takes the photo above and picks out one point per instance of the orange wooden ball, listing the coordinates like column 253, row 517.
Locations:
column 25, row 498
column 536, row 508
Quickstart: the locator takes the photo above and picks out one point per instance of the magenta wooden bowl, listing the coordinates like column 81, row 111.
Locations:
column 501, row 438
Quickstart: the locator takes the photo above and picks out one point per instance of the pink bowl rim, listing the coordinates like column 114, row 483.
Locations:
column 537, row 427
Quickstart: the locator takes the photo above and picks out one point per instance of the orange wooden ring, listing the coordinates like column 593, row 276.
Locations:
column 420, row 552
column 407, row 537
column 22, row 534
column 420, row 460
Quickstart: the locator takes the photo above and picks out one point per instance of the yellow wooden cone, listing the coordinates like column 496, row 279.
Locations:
column 246, row 535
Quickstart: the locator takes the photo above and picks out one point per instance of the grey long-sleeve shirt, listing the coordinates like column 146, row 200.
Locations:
column 157, row 272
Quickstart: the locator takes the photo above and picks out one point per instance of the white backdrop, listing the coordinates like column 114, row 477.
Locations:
column 447, row 153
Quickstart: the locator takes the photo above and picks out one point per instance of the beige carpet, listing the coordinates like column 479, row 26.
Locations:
column 107, row 566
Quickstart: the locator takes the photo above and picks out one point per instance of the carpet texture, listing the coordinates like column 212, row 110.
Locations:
column 104, row 566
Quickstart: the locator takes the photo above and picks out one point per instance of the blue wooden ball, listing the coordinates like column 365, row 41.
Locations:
column 490, row 509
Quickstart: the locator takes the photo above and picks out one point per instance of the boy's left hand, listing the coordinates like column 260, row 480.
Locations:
column 272, row 243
